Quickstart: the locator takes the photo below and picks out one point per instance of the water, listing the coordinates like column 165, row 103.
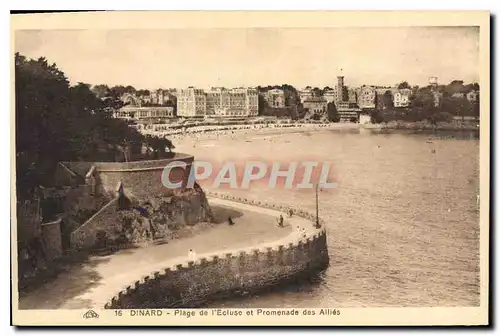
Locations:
column 403, row 225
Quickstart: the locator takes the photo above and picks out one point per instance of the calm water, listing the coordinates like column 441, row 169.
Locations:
column 403, row 226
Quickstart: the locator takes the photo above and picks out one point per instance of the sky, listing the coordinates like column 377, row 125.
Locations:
column 176, row 58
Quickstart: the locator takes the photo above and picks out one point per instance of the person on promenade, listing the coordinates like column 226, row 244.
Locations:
column 303, row 232
column 230, row 221
column 280, row 221
column 298, row 229
column 191, row 255
column 290, row 213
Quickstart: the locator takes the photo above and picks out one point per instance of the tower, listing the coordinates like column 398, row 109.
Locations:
column 340, row 88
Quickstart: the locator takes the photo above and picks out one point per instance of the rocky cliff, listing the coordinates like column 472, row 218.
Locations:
column 155, row 217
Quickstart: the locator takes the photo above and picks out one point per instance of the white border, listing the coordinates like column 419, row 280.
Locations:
column 190, row 5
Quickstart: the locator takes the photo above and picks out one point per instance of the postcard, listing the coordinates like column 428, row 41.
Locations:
column 250, row 168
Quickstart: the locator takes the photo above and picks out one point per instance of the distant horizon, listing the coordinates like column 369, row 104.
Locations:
column 300, row 57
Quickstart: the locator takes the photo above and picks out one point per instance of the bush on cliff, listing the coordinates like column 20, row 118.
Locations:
column 58, row 122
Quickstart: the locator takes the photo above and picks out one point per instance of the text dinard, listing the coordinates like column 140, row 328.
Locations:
column 188, row 313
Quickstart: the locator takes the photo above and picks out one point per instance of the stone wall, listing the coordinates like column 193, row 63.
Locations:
column 51, row 234
column 141, row 178
column 28, row 221
column 236, row 271
column 104, row 220
column 80, row 168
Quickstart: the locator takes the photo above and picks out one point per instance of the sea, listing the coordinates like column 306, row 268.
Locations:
column 402, row 223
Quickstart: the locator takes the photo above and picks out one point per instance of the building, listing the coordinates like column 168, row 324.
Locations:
column 275, row 98
column 352, row 96
column 252, row 102
column 458, row 95
column 305, row 94
column 330, row 95
column 366, row 97
column 401, row 97
column 138, row 113
column 191, row 102
column 340, row 90
column 473, row 96
column 316, row 105
column 238, row 102
column 145, row 99
column 156, row 97
column 348, row 112
column 132, row 100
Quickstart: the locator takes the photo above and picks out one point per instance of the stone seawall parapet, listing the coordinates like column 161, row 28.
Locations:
column 235, row 271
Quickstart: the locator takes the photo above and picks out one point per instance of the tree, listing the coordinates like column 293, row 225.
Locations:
column 159, row 146
column 141, row 93
column 100, row 90
column 263, row 105
column 332, row 112
column 456, row 86
column 63, row 123
column 317, row 92
column 404, row 85
column 423, row 105
column 384, row 101
column 130, row 89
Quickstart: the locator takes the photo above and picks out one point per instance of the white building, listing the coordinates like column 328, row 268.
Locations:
column 401, row 97
column 237, row 102
column 142, row 113
column 330, row 95
column 305, row 93
column 191, row 102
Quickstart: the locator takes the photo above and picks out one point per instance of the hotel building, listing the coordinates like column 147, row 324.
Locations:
column 237, row 102
column 191, row 102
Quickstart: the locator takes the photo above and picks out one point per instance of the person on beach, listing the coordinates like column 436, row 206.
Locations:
column 298, row 229
column 290, row 213
column 230, row 221
column 303, row 232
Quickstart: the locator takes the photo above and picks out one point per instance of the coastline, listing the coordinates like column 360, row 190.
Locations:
column 229, row 130
column 455, row 125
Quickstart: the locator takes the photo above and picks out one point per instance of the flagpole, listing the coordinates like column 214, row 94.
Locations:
column 317, row 207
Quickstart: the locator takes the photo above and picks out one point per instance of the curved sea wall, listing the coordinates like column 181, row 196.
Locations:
column 239, row 271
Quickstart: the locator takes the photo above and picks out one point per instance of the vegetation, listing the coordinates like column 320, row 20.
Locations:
column 433, row 104
column 59, row 122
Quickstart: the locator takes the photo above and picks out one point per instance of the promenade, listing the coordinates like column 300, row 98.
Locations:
column 91, row 284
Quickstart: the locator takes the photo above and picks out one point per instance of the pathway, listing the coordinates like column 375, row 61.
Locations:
column 93, row 283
